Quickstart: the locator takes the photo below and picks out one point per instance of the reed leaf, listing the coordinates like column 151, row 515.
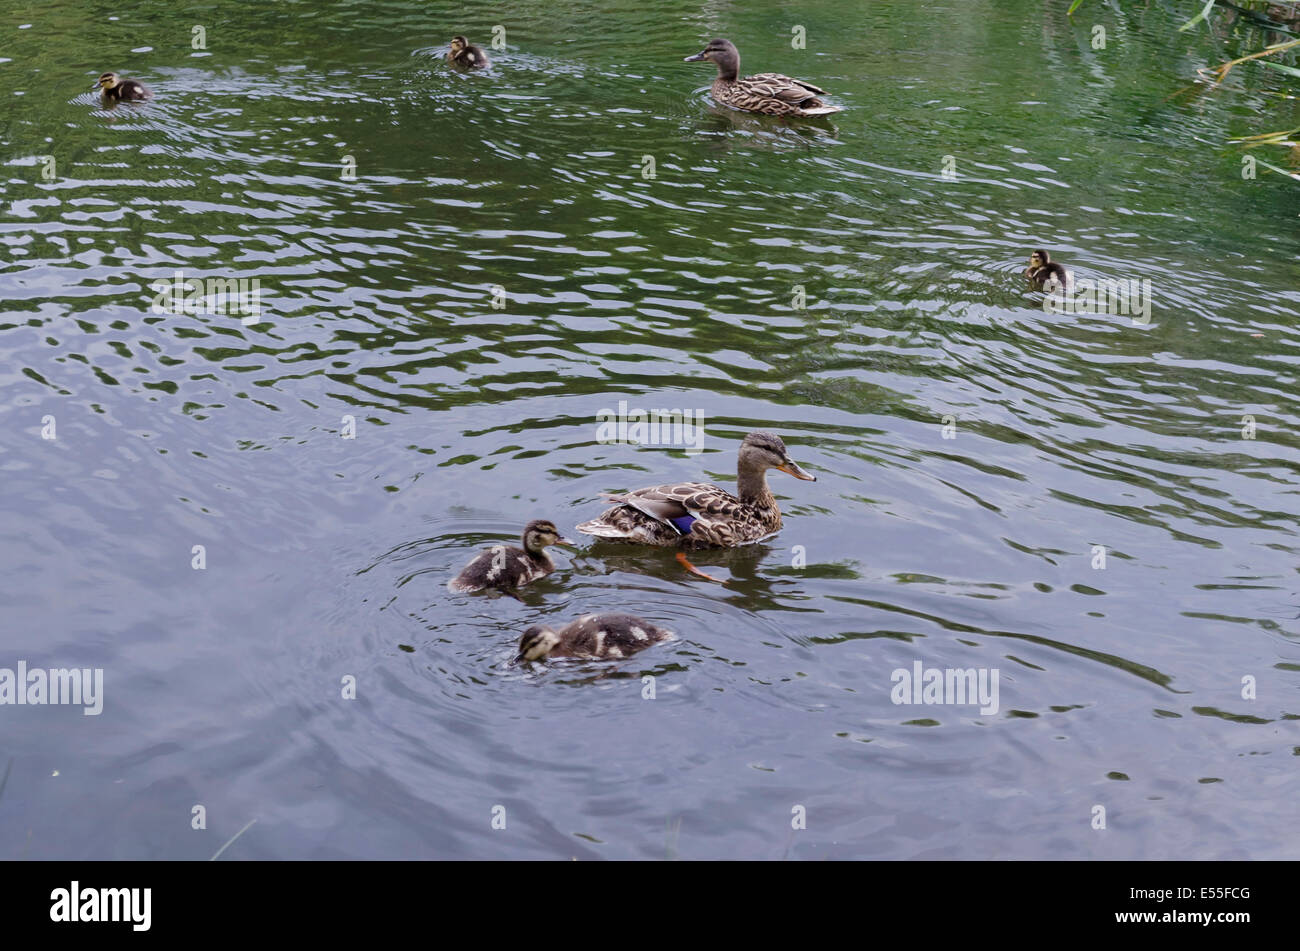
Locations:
column 1222, row 69
column 1198, row 18
column 1279, row 66
column 1280, row 171
column 1267, row 138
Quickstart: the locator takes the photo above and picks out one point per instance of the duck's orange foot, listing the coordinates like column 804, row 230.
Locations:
column 681, row 556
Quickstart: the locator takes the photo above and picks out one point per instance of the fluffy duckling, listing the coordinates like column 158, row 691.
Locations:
column 465, row 54
column 591, row 636
column 506, row 567
column 1043, row 270
column 114, row 88
column 769, row 93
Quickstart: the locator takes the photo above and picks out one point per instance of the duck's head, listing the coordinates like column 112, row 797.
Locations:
column 540, row 533
column 107, row 81
column 761, row 451
column 458, row 43
column 538, row 641
column 722, row 52
column 1039, row 259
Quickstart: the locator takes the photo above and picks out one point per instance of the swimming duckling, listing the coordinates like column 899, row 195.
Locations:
column 591, row 636
column 465, row 54
column 769, row 93
column 115, row 89
column 1043, row 270
column 507, row 567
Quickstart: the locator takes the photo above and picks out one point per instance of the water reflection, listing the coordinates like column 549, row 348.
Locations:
column 439, row 334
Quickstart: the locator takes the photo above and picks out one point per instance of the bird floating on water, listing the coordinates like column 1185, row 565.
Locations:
column 601, row 636
column 692, row 515
column 1043, row 270
column 465, row 54
column 768, row 93
column 506, row 567
column 114, row 88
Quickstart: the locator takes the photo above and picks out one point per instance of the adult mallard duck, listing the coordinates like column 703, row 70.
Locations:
column 591, row 636
column 691, row 515
column 115, row 89
column 465, row 54
column 506, row 567
column 769, row 93
column 1043, row 270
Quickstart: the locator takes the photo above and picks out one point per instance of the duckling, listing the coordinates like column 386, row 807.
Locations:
column 1043, row 270
column 769, row 93
column 466, row 55
column 115, row 89
column 691, row 515
column 591, row 636
column 506, row 567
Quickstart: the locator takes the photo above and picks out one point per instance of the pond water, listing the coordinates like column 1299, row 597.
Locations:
column 458, row 273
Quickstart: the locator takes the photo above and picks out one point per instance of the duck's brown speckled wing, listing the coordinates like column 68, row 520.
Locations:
column 773, row 94
column 666, row 502
column 689, row 514
column 782, row 87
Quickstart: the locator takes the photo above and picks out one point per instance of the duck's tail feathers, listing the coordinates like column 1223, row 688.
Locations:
column 601, row 529
column 820, row 110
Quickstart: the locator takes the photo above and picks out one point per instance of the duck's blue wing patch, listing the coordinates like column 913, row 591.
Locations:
column 683, row 523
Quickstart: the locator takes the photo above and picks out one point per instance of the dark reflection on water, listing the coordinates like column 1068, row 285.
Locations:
column 824, row 280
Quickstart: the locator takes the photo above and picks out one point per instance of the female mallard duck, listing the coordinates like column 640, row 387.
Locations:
column 113, row 88
column 591, row 636
column 465, row 54
column 506, row 567
column 769, row 93
column 1043, row 270
column 693, row 515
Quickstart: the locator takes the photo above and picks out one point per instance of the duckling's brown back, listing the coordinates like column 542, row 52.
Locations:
column 495, row 567
column 611, row 635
